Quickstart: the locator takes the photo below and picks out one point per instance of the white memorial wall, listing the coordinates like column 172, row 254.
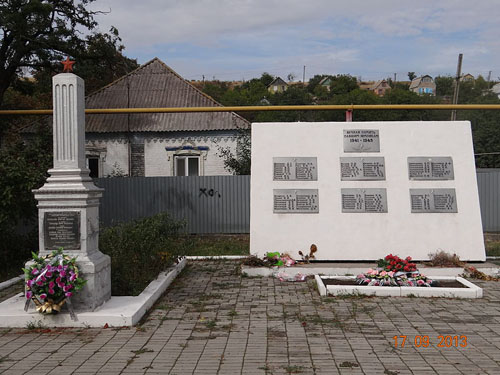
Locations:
column 360, row 191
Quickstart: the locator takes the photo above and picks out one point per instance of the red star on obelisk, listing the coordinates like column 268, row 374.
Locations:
column 68, row 65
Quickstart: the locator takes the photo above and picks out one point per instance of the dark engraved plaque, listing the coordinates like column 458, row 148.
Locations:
column 433, row 201
column 62, row 229
column 430, row 168
column 361, row 140
column 295, row 169
column 362, row 169
column 290, row 201
column 364, row 200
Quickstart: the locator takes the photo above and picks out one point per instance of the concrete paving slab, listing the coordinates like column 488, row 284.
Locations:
column 213, row 319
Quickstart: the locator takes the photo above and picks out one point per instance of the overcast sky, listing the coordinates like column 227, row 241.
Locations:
column 372, row 39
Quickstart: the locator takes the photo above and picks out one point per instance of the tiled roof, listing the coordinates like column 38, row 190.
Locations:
column 151, row 85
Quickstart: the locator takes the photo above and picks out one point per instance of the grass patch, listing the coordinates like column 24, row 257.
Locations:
column 293, row 369
column 348, row 364
column 141, row 351
column 210, row 324
column 35, row 325
column 215, row 245
column 492, row 248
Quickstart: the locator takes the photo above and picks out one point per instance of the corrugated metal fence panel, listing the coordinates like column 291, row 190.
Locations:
column 221, row 204
column 488, row 182
column 209, row 204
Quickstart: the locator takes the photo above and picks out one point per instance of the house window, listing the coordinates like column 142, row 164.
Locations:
column 93, row 165
column 187, row 165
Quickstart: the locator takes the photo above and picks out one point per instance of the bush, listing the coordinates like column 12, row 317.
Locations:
column 443, row 259
column 15, row 251
column 139, row 251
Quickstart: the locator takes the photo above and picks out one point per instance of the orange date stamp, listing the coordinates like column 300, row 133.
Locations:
column 443, row 341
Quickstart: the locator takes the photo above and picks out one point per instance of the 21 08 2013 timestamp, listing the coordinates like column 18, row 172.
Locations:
column 443, row 341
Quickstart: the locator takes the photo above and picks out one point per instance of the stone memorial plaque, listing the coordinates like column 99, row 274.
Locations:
column 361, row 140
column 364, row 200
column 362, row 169
column 433, row 201
column 290, row 201
column 430, row 168
column 295, row 169
column 62, row 229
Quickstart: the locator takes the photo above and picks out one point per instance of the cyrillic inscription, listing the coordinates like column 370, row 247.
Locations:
column 433, row 201
column 295, row 169
column 361, row 140
column 430, row 168
column 364, row 200
column 289, row 201
column 362, row 169
column 62, row 229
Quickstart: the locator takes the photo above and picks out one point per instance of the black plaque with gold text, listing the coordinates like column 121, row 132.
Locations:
column 62, row 229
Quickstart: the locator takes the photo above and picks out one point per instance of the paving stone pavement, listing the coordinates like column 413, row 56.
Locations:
column 214, row 321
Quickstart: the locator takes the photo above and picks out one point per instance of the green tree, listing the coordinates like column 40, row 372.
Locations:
column 411, row 76
column 314, row 82
column 35, row 33
column 266, row 79
column 239, row 161
column 23, row 167
column 343, row 84
column 444, row 85
column 215, row 89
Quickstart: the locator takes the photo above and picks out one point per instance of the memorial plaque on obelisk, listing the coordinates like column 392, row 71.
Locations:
column 430, row 168
column 362, row 169
column 361, row 140
column 295, row 169
column 433, row 201
column 62, row 229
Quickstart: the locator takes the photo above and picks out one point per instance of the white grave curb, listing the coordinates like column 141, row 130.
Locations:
column 472, row 291
column 14, row 280
column 116, row 312
column 334, row 270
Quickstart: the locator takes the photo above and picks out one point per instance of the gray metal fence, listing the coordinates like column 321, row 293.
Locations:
column 488, row 182
column 209, row 204
column 221, row 204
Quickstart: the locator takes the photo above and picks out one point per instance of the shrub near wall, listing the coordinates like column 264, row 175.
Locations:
column 139, row 251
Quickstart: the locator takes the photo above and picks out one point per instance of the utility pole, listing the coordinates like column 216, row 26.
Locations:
column 457, row 87
column 395, row 77
column 489, row 77
column 304, row 75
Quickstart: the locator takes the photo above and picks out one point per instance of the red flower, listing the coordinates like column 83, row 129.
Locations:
column 399, row 266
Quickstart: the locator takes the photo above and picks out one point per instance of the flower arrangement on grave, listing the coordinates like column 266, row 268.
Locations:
column 278, row 259
column 306, row 258
column 394, row 271
column 51, row 281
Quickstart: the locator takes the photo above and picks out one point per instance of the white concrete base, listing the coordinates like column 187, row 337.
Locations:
column 14, row 280
column 353, row 269
column 472, row 291
column 116, row 312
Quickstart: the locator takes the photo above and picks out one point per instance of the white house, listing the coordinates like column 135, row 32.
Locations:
column 157, row 144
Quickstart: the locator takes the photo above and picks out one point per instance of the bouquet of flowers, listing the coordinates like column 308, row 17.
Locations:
column 280, row 260
column 395, row 263
column 394, row 271
column 51, row 281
